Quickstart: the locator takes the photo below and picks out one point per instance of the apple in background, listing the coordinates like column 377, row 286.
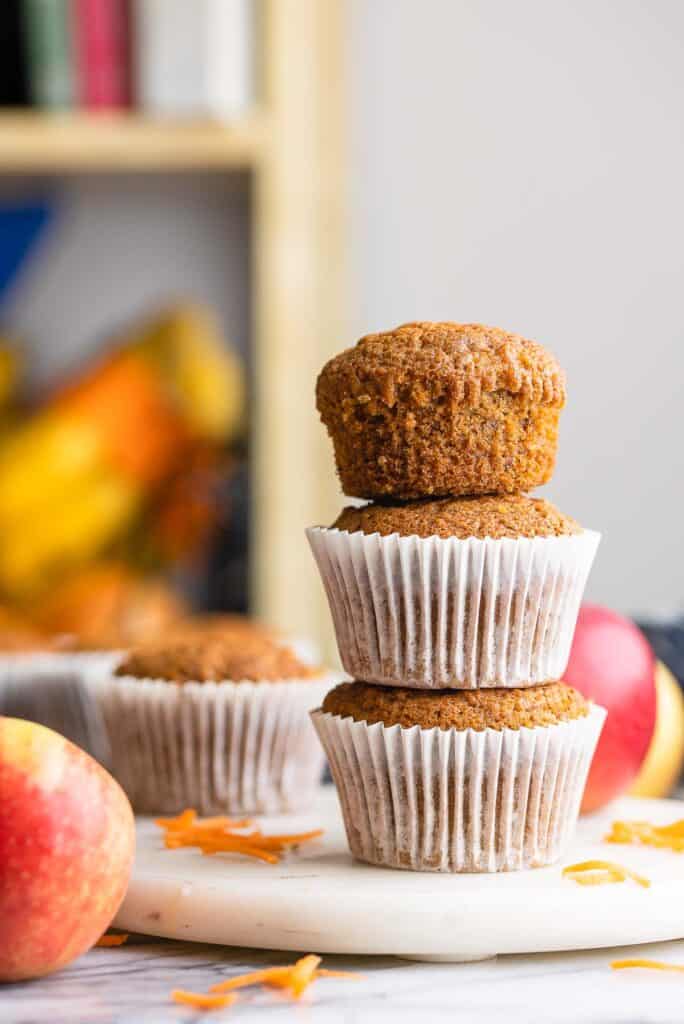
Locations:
column 664, row 761
column 612, row 663
column 67, row 838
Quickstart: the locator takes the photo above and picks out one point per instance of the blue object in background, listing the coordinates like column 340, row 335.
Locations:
column 667, row 640
column 21, row 226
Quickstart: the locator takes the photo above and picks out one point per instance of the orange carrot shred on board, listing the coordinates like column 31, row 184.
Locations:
column 219, row 835
column 276, row 976
column 296, row 978
column 302, row 974
column 654, row 965
column 112, row 940
column 200, row 1001
column 602, row 872
column 667, row 837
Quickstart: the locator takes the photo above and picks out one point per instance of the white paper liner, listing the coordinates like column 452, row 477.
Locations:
column 459, row 801
column 438, row 613
column 228, row 747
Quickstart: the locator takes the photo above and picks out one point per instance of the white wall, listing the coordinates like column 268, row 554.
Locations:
column 522, row 164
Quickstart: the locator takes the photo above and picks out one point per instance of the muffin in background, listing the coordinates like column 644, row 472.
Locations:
column 431, row 409
column 218, row 724
column 458, row 781
column 455, row 592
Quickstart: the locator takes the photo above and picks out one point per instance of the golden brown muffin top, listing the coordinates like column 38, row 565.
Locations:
column 496, row 516
column 216, row 659
column 458, row 361
column 498, row 709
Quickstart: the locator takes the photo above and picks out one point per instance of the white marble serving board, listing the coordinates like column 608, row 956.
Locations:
column 318, row 899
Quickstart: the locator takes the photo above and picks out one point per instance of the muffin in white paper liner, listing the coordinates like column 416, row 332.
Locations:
column 440, row 613
column 459, row 801
column 227, row 747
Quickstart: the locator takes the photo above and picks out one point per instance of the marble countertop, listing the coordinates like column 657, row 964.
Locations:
column 131, row 984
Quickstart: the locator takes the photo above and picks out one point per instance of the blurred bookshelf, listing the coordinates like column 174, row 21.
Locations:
column 38, row 143
column 291, row 147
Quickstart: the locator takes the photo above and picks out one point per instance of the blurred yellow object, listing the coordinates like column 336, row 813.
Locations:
column 203, row 372
column 8, row 374
column 665, row 757
column 75, row 476
column 68, row 529
column 39, row 461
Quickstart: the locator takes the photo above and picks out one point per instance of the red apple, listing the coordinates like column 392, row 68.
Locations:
column 67, row 838
column 612, row 662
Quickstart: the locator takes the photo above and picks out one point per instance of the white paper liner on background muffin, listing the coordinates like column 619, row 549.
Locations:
column 228, row 747
column 439, row 613
column 459, row 801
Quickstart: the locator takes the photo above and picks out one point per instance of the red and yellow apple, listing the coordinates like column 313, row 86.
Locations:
column 612, row 663
column 664, row 759
column 67, row 838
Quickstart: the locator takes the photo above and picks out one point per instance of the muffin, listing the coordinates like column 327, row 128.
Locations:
column 455, row 592
column 433, row 409
column 217, row 724
column 480, row 781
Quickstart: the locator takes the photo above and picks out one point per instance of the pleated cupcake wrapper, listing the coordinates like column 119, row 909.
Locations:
column 230, row 747
column 459, row 801
column 437, row 613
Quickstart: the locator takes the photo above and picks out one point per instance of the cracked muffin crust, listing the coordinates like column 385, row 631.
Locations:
column 495, row 516
column 545, row 705
column 442, row 408
column 216, row 659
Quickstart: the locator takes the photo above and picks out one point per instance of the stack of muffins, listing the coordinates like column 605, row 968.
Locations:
column 454, row 599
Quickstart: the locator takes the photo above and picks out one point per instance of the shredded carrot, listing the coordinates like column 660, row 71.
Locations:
column 277, row 976
column 655, row 965
column 602, row 872
column 219, row 835
column 302, row 974
column 112, row 940
column 669, row 837
column 296, row 978
column 201, row 1001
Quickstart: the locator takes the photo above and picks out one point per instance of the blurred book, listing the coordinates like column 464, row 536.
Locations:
column 194, row 59
column 14, row 91
column 102, row 51
column 47, row 25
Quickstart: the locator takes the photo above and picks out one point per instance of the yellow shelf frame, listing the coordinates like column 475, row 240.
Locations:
column 39, row 143
column 294, row 149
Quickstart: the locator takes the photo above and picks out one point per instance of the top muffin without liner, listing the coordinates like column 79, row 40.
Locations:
column 433, row 409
